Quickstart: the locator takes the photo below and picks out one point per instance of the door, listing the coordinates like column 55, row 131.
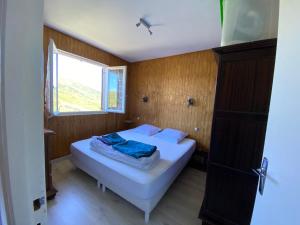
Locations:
column 280, row 203
column 3, row 206
column 22, row 157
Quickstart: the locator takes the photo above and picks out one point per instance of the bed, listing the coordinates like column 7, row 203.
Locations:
column 142, row 188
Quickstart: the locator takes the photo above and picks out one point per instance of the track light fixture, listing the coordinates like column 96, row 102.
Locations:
column 145, row 24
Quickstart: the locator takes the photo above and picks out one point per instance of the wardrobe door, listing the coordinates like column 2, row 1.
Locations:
column 229, row 199
column 238, row 141
column 239, row 124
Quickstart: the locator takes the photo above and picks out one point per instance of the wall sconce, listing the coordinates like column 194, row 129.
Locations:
column 190, row 101
column 145, row 99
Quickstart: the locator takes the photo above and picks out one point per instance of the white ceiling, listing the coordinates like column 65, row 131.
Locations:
column 179, row 26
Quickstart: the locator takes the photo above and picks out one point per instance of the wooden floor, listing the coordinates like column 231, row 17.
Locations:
column 80, row 202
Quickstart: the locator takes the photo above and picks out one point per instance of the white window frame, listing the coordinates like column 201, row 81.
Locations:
column 104, row 93
column 51, row 51
column 59, row 51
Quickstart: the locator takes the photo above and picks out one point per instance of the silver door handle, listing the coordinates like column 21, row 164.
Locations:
column 262, row 174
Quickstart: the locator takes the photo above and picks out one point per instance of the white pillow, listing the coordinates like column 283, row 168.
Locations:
column 171, row 135
column 147, row 129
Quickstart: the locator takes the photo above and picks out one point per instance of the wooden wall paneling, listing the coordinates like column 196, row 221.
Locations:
column 73, row 128
column 168, row 82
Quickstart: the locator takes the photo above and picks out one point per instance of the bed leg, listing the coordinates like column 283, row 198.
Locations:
column 147, row 216
column 98, row 184
column 103, row 188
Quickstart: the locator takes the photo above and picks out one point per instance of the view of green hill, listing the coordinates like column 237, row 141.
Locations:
column 74, row 97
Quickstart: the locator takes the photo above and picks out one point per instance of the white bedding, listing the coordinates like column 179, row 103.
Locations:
column 142, row 188
column 144, row 163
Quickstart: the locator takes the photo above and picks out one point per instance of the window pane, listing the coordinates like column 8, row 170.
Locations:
column 115, row 89
column 79, row 85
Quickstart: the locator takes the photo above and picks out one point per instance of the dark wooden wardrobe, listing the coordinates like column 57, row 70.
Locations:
column 240, row 117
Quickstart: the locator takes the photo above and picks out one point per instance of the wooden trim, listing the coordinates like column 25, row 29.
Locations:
column 246, row 46
column 249, row 54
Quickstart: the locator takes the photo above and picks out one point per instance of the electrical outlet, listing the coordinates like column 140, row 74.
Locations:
column 197, row 129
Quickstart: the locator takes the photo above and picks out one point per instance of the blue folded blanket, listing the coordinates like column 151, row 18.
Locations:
column 135, row 149
column 111, row 139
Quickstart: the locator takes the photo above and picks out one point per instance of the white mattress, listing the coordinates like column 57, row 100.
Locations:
column 142, row 184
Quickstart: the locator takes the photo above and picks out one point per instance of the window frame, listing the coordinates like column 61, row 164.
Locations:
column 106, row 91
column 57, row 113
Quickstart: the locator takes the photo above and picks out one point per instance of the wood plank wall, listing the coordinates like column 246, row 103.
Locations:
column 168, row 82
column 72, row 128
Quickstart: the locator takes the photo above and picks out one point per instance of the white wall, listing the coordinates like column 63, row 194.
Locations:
column 2, row 204
column 280, row 203
column 5, row 207
column 22, row 75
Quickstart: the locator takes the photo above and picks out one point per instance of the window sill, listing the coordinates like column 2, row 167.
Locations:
column 79, row 113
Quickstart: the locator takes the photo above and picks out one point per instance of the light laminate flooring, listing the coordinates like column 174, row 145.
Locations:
column 80, row 202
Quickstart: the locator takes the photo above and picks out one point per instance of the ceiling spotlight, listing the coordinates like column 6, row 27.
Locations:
column 145, row 24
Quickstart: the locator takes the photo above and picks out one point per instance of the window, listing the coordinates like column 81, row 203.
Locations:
column 82, row 86
column 116, row 85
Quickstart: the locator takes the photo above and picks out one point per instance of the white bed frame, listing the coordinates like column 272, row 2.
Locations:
column 103, row 174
